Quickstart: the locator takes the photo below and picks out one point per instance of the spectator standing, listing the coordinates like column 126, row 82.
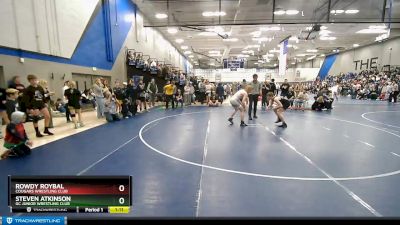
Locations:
column 285, row 88
column 152, row 90
column 74, row 97
column 98, row 93
column 35, row 105
column 47, row 99
column 67, row 113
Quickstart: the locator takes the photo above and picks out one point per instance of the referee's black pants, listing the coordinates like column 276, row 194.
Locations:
column 253, row 99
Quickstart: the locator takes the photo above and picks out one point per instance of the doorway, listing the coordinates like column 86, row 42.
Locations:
column 2, row 78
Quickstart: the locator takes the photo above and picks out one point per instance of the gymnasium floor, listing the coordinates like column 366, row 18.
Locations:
column 189, row 162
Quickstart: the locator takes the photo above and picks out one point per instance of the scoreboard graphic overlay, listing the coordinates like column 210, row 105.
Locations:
column 75, row 194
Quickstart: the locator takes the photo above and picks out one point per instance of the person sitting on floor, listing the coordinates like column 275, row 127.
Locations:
column 318, row 105
column 16, row 141
column 110, row 110
column 213, row 102
column 60, row 106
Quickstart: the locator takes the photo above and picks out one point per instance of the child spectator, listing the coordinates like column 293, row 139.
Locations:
column 11, row 103
column 74, row 96
column 35, row 104
column 16, row 141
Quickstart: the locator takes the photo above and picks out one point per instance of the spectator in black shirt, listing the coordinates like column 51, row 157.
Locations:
column 132, row 95
column 33, row 99
column 11, row 103
column 285, row 88
column 273, row 87
column 15, row 83
column 119, row 92
column 264, row 91
column 142, row 96
column 3, row 111
column 220, row 93
column 74, row 96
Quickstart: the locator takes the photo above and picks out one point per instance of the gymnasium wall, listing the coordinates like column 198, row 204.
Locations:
column 95, row 53
column 375, row 55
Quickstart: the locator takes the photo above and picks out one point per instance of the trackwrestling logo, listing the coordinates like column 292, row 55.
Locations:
column 34, row 220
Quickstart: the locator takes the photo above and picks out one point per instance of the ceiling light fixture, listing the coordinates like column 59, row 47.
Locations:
column 209, row 14
column 216, row 29
column 252, row 46
column 292, row 12
column 339, row 11
column 326, row 38
column 214, row 52
column 356, row 45
column 179, row 41
column 243, row 56
column 274, row 50
column 262, row 39
column 209, row 34
column 325, row 32
column 184, row 47
column 248, row 52
column 352, row 11
column 230, row 40
column 371, row 31
column 191, row 56
column 377, row 27
column 276, row 28
column 312, row 57
column 382, row 37
column 172, row 30
column 280, row 12
column 161, row 16
column 256, row 33
column 187, row 52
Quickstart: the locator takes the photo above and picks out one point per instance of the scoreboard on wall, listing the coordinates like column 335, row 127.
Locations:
column 70, row 194
column 233, row 64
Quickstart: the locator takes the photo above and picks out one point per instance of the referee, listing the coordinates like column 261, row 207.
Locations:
column 253, row 96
